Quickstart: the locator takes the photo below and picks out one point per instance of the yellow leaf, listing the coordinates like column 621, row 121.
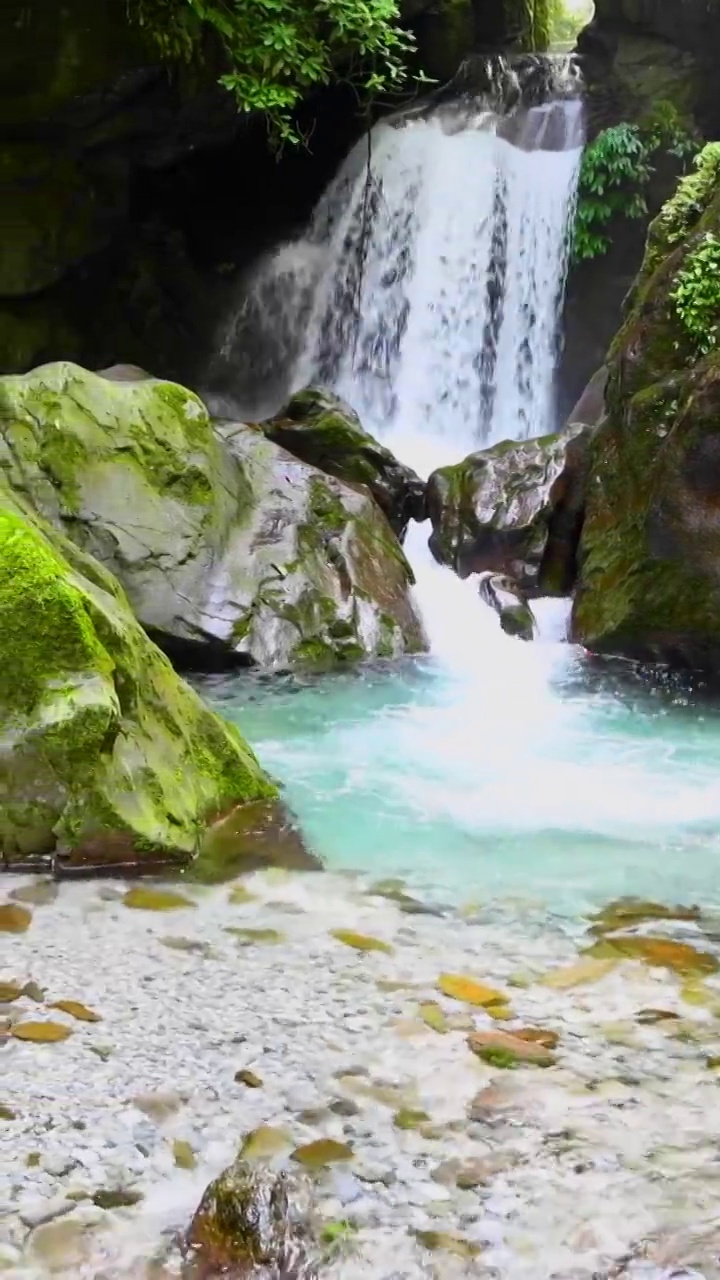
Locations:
column 361, row 941
column 576, row 975
column 9, row 991
column 14, row 918
column 265, row 1142
column 433, row 1017
column 468, row 990
column 76, row 1010
column 183, row 1154
column 40, row 1032
column 144, row 899
column 322, row 1152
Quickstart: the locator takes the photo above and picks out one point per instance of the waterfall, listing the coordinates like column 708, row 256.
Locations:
column 428, row 288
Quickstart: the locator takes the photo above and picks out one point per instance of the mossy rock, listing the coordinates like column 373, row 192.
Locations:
column 108, row 758
column 649, row 556
column 224, row 544
column 319, row 428
column 252, row 1218
column 513, row 509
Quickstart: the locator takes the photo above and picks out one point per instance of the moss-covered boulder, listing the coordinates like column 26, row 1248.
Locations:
column 106, row 756
column 319, row 428
column 229, row 549
column 514, row 509
column 649, row 577
column 253, row 1221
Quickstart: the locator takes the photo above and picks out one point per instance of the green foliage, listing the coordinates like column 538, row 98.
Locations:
column 615, row 174
column 696, row 295
column 278, row 51
column 692, row 196
column 567, row 22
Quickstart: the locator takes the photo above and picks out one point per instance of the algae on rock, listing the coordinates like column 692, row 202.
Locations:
column 226, row 546
column 106, row 756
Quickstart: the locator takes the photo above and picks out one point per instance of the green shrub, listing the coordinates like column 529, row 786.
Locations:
column 696, row 295
column 278, row 51
column 615, row 173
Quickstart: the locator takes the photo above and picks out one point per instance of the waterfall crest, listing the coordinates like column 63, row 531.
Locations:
column 427, row 289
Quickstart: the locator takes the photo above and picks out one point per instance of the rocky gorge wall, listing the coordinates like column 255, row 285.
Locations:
column 132, row 191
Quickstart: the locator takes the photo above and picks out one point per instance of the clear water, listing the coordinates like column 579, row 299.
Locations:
column 491, row 767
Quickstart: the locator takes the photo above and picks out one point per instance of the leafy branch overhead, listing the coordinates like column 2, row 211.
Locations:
column 278, row 51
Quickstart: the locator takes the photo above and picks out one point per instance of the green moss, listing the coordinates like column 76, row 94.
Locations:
column 45, row 630
column 112, row 749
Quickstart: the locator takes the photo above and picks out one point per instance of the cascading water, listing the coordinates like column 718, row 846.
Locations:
column 427, row 291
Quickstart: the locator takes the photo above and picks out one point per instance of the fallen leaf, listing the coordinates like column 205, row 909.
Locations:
column 433, row 1017
column 443, row 1240
column 76, row 1010
column 361, row 941
column 40, row 1032
column 248, row 936
column 577, row 975
column 239, row 896
column 537, row 1035
column 408, row 1118
column 145, row 899
column 322, row 1152
column 7, row 1113
column 468, row 990
column 265, row 1142
column 183, row 1154
column 658, row 953
column 14, row 918
column 501, row 1049
column 10, row 991
column 116, row 1198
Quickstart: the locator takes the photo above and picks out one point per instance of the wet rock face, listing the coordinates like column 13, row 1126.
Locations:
column 230, row 549
column 252, row 1224
column 319, row 428
column 513, row 509
column 649, row 579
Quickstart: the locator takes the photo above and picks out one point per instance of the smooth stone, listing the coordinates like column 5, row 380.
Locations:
column 36, row 1212
column 40, row 893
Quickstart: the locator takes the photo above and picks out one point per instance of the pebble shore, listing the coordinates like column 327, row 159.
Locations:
column 603, row 1165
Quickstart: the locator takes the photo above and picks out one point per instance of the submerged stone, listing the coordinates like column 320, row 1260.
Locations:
column 40, row 893
column 248, row 1078
column 117, row 1198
